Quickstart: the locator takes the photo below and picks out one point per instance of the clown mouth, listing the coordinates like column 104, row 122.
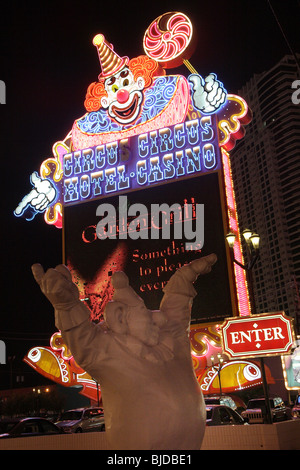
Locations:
column 126, row 113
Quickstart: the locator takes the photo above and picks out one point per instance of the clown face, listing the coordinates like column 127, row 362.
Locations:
column 124, row 96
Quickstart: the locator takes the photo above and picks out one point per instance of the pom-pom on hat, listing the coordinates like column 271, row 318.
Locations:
column 110, row 62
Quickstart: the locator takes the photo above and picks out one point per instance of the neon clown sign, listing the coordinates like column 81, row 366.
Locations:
column 142, row 128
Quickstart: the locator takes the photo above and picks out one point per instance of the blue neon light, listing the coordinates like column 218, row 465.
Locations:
column 183, row 150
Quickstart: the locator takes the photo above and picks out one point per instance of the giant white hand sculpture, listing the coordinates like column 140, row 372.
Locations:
column 141, row 358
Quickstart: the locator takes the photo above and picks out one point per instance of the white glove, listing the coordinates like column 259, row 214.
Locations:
column 209, row 94
column 42, row 194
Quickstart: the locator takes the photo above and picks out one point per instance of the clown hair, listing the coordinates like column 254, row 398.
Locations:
column 141, row 66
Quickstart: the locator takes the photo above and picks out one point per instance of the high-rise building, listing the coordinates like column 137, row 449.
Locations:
column 266, row 175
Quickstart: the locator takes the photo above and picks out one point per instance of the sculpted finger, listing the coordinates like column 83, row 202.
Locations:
column 203, row 265
column 119, row 280
column 211, row 259
column 62, row 269
column 38, row 272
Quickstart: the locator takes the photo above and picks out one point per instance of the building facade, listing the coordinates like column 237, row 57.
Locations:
column 266, row 174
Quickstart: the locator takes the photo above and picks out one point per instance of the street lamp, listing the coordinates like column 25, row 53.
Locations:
column 230, row 237
column 255, row 241
column 217, row 368
column 252, row 242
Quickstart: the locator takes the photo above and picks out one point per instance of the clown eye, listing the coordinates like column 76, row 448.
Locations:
column 124, row 73
column 115, row 88
column 111, row 81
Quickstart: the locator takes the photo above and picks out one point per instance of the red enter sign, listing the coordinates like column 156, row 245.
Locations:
column 258, row 335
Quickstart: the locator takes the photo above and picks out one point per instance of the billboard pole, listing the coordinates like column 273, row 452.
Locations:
column 252, row 243
column 262, row 362
column 266, row 392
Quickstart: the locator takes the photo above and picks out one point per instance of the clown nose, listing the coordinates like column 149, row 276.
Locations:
column 122, row 96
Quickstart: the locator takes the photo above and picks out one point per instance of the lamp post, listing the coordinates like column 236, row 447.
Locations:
column 252, row 242
column 36, row 400
column 11, row 360
column 217, row 368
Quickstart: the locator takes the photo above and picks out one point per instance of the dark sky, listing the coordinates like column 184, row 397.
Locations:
column 47, row 62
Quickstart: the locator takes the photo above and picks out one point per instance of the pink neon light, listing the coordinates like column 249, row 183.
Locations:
column 168, row 38
column 232, row 119
column 240, row 278
column 53, row 166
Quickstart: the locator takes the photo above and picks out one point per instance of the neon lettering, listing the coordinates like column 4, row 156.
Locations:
column 88, row 160
column 184, row 149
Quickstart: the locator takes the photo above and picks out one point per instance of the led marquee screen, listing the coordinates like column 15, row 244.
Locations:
column 149, row 263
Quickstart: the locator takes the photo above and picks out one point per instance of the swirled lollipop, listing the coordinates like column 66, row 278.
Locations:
column 170, row 40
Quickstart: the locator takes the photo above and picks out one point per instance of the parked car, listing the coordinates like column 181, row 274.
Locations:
column 25, row 427
column 220, row 400
column 219, row 415
column 82, row 420
column 256, row 410
column 296, row 408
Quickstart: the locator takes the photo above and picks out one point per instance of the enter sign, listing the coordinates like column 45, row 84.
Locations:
column 258, row 335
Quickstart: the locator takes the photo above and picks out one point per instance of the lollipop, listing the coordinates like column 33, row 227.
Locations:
column 170, row 40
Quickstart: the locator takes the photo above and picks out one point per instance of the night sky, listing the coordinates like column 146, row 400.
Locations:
column 47, row 62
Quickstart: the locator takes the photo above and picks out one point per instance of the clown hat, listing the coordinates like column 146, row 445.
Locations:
column 110, row 62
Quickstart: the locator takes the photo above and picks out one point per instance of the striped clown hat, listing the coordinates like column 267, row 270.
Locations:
column 110, row 62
